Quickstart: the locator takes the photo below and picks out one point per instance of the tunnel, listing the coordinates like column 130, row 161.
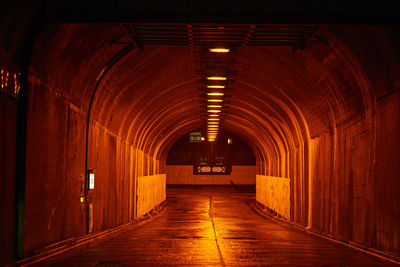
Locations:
column 121, row 118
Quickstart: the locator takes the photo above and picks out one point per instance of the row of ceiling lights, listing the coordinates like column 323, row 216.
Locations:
column 215, row 86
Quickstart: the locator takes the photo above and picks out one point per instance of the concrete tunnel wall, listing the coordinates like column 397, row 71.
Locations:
column 326, row 118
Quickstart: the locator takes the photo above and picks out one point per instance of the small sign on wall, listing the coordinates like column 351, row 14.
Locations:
column 195, row 137
column 91, row 179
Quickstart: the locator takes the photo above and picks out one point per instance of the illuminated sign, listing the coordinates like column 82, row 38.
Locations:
column 91, row 180
column 218, row 169
column 9, row 80
column 195, row 137
column 204, row 169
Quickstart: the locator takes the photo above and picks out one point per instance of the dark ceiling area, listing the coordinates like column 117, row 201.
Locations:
column 225, row 11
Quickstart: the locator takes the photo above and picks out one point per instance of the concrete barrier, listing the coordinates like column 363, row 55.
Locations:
column 274, row 193
column 151, row 191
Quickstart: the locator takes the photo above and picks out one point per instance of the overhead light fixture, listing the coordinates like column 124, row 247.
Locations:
column 219, row 50
column 215, row 93
column 202, row 138
column 214, row 110
column 213, row 123
column 216, row 78
column 214, row 100
column 213, row 115
column 214, row 106
column 213, row 119
column 216, row 86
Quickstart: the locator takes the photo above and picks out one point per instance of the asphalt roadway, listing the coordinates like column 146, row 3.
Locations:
column 216, row 226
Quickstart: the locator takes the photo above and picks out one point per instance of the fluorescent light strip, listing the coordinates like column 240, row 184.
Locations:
column 216, row 94
column 214, row 106
column 216, row 78
column 216, row 86
column 219, row 50
column 214, row 100
column 213, row 119
column 213, row 110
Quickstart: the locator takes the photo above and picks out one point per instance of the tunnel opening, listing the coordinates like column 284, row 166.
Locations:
column 311, row 118
column 227, row 161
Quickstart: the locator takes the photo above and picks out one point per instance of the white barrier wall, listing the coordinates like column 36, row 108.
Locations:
column 151, row 191
column 183, row 174
column 274, row 193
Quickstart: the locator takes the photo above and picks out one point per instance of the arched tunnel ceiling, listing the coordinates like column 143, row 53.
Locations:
column 149, row 96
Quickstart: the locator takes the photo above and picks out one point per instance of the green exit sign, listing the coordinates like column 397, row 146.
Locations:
column 195, row 137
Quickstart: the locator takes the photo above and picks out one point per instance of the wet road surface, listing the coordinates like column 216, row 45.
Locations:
column 212, row 226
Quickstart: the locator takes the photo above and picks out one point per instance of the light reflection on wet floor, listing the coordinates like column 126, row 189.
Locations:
column 230, row 233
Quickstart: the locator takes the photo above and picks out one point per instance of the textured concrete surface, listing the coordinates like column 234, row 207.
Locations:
column 183, row 174
column 151, row 191
column 212, row 226
column 274, row 193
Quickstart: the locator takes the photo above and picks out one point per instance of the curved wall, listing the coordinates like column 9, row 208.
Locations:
column 325, row 117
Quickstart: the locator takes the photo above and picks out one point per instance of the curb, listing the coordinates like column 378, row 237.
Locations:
column 55, row 252
column 273, row 216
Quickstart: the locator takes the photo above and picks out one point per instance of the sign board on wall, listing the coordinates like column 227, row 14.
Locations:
column 91, row 180
column 195, row 137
